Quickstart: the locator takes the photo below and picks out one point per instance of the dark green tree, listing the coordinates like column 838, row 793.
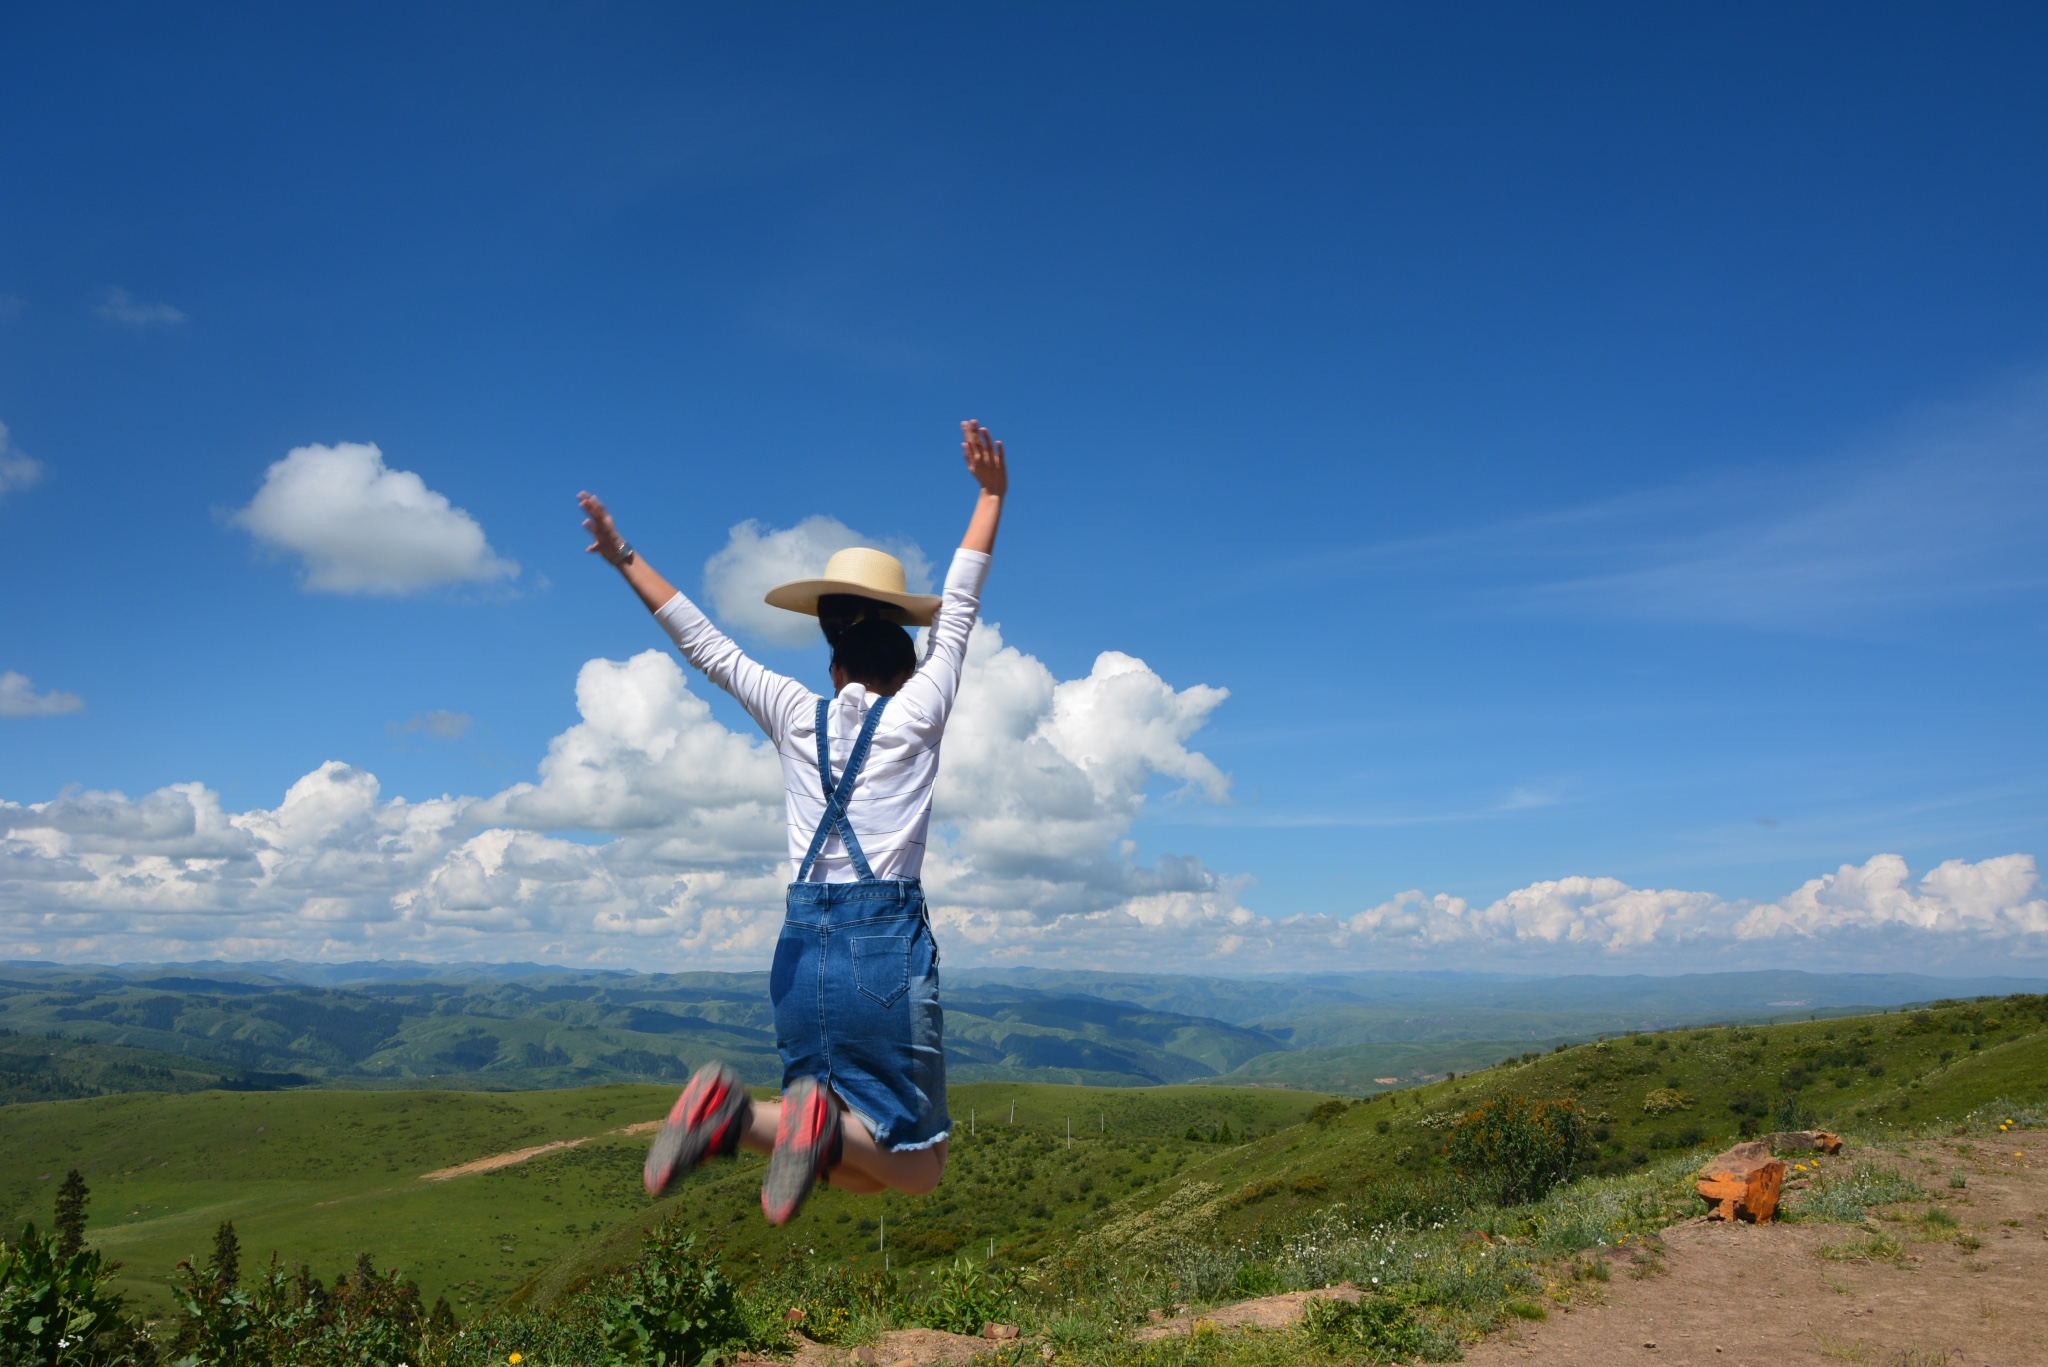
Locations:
column 71, row 1201
column 226, row 1264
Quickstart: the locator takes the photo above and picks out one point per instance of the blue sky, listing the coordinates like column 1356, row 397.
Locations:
column 1590, row 443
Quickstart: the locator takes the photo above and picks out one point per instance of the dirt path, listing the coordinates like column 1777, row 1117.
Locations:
column 506, row 1160
column 1765, row 1296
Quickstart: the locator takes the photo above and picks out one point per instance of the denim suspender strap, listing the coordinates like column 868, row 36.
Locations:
column 837, row 795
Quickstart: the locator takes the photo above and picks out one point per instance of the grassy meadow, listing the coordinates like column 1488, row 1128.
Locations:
column 1162, row 1195
column 323, row 1175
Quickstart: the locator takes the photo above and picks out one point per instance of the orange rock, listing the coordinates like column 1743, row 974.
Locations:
column 1743, row 1183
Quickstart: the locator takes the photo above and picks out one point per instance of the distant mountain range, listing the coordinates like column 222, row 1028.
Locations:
column 79, row 1030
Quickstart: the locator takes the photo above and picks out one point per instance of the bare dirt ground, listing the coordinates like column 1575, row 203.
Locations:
column 1767, row 1295
column 1267, row 1312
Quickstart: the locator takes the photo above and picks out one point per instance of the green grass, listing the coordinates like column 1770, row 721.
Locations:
column 323, row 1175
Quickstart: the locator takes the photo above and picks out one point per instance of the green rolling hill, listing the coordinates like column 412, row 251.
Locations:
column 323, row 1174
column 521, row 1026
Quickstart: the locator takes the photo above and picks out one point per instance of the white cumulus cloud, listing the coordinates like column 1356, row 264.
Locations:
column 1876, row 909
column 360, row 526
column 18, row 698
column 754, row 560
column 16, row 470
column 651, row 836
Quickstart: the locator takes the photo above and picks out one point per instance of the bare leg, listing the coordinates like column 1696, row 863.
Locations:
column 865, row 1167
column 849, row 1180
column 915, row 1172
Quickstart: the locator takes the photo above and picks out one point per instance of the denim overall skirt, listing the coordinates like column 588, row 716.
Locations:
column 856, row 980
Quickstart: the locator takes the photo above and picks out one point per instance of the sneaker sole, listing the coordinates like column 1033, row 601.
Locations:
column 697, row 1123
column 802, row 1141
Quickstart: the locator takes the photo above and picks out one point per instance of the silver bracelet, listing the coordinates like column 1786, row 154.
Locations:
column 624, row 557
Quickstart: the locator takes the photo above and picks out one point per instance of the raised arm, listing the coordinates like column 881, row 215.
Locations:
column 985, row 462
column 774, row 700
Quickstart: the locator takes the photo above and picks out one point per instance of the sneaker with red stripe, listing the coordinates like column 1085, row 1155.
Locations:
column 807, row 1144
column 708, row 1118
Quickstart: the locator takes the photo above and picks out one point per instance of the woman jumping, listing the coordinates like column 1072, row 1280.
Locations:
column 855, row 981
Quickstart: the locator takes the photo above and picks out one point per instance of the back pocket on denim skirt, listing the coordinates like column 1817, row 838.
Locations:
column 881, row 967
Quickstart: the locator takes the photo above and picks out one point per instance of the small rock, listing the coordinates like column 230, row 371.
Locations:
column 992, row 1330
column 1649, row 1343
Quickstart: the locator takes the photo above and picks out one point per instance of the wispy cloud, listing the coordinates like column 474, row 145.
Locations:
column 18, row 698
column 446, row 725
column 1946, row 507
column 116, row 305
column 16, row 470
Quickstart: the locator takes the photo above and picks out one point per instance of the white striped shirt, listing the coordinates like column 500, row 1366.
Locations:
column 891, row 807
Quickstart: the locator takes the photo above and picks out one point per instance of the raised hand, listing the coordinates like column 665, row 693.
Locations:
column 606, row 541
column 984, row 458
column 985, row 462
column 597, row 520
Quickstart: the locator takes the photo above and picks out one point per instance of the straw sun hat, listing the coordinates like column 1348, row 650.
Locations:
column 866, row 573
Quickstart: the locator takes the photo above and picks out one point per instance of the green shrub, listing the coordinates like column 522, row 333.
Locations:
column 1378, row 1328
column 837, row 1301
column 967, row 1297
column 675, row 1308
column 368, row 1318
column 56, row 1310
column 1256, row 1279
column 1519, row 1149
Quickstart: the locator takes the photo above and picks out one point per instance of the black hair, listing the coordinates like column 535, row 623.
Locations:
column 873, row 652
column 838, row 611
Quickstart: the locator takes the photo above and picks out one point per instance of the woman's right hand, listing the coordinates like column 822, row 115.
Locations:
column 597, row 520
